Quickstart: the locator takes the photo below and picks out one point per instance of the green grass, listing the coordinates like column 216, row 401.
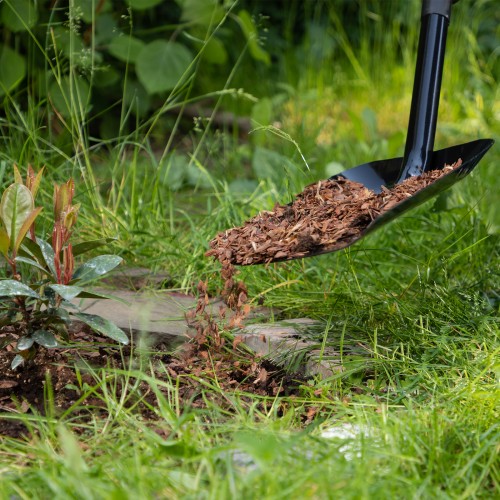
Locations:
column 412, row 310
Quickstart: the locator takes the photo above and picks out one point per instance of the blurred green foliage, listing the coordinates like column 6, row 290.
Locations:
column 118, row 61
column 92, row 55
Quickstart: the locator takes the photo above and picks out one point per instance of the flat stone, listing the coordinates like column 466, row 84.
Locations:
column 287, row 341
column 161, row 315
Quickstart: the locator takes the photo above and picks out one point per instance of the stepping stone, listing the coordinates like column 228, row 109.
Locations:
column 287, row 344
column 160, row 314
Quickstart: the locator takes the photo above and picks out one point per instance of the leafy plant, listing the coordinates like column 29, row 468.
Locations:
column 137, row 53
column 43, row 280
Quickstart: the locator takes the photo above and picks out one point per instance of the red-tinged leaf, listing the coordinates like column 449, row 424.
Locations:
column 4, row 242
column 35, row 180
column 25, row 227
column 70, row 217
column 17, row 176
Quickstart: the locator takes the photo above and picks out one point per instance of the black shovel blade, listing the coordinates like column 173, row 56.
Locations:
column 376, row 174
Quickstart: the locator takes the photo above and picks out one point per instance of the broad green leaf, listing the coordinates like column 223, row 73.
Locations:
column 173, row 171
column 66, row 292
column 13, row 288
column 67, row 41
column 250, row 31
column 106, row 28
column 24, row 343
column 162, row 64
column 25, row 227
column 197, row 177
column 45, row 339
column 48, row 255
column 31, row 262
column 126, row 48
column 86, row 246
column 17, row 361
column 202, row 12
column 12, row 69
column 15, row 208
column 143, row 4
column 30, row 248
column 103, row 326
column 19, row 15
column 136, row 98
column 215, row 52
column 268, row 164
column 60, row 312
column 97, row 267
column 106, row 76
column 4, row 242
column 71, row 97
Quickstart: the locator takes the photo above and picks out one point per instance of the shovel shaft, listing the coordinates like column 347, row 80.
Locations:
column 426, row 88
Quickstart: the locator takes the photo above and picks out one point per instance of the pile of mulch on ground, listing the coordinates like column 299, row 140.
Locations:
column 208, row 355
column 326, row 216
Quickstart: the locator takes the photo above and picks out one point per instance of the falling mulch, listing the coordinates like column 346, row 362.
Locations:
column 328, row 215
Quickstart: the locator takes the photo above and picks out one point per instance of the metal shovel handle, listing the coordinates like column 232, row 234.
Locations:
column 426, row 87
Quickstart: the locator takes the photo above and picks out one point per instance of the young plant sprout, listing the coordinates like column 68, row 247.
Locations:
column 42, row 280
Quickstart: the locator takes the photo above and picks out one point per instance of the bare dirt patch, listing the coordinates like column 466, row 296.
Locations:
column 205, row 359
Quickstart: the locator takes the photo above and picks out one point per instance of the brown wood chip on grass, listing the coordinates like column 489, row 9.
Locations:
column 327, row 215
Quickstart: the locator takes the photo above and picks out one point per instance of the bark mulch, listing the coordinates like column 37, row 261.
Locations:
column 326, row 216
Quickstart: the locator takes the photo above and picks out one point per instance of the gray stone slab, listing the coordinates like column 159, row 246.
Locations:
column 288, row 343
column 157, row 313
column 161, row 315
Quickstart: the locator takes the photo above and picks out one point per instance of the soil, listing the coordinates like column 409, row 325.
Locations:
column 204, row 357
column 25, row 389
column 326, row 216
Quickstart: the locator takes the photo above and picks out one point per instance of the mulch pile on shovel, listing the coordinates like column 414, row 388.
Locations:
column 326, row 216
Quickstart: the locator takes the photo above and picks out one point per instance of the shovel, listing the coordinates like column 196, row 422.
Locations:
column 419, row 156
